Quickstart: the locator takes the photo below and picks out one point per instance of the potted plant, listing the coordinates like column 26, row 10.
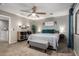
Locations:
column 33, row 28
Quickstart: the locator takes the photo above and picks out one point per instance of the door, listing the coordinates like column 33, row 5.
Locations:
column 4, row 30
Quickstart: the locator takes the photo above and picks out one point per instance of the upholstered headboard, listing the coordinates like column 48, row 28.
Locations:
column 49, row 31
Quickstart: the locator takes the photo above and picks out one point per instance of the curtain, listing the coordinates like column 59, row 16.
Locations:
column 70, row 40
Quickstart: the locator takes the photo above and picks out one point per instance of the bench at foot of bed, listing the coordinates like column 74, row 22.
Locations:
column 43, row 44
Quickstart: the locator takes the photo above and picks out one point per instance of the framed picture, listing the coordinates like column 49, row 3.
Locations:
column 52, row 23
column 77, row 23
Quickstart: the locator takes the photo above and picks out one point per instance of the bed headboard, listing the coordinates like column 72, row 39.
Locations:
column 49, row 31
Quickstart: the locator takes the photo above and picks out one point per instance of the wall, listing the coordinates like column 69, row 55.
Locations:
column 76, row 37
column 62, row 22
column 38, row 24
column 14, row 24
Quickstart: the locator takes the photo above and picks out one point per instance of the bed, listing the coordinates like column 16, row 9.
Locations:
column 49, row 35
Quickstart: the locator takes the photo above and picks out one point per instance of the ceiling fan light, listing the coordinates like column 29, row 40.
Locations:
column 33, row 14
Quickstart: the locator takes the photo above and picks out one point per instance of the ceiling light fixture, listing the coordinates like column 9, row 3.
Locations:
column 33, row 14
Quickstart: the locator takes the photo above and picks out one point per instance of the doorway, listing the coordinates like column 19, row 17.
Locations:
column 4, row 32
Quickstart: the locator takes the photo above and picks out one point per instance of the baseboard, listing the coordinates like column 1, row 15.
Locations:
column 12, row 42
column 75, row 52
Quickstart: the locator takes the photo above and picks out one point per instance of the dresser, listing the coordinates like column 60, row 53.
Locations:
column 23, row 35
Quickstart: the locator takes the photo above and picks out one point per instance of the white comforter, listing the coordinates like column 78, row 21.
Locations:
column 51, row 38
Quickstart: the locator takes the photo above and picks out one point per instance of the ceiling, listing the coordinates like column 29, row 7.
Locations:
column 58, row 9
column 2, row 17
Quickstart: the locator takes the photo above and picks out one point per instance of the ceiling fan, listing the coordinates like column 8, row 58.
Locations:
column 34, row 12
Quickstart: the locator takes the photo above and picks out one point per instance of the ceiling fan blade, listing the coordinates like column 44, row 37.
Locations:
column 25, row 11
column 37, row 15
column 29, row 15
column 40, row 13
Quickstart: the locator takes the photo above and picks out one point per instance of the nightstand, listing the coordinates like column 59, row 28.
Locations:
column 62, row 38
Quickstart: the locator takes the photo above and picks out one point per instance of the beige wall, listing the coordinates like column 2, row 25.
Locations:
column 76, row 37
column 62, row 22
column 38, row 24
column 14, row 25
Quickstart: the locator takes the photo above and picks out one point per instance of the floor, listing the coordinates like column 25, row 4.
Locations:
column 23, row 49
